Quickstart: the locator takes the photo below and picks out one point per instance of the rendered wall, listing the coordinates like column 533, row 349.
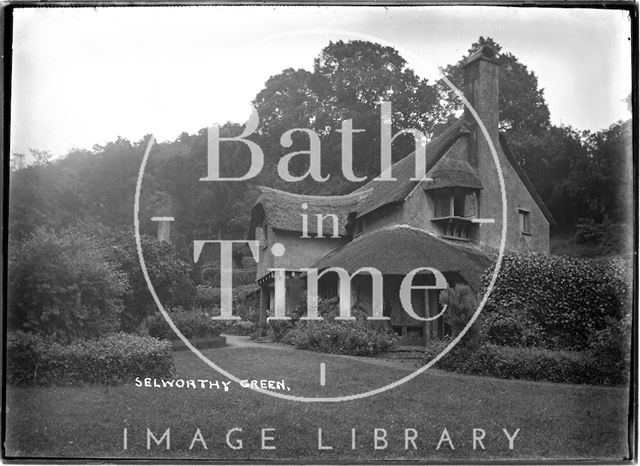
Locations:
column 299, row 252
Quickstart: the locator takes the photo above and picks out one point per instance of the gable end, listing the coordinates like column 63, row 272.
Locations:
column 525, row 180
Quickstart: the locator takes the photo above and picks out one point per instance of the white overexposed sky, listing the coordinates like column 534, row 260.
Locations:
column 83, row 76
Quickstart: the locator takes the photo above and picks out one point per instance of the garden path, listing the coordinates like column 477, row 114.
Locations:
column 246, row 342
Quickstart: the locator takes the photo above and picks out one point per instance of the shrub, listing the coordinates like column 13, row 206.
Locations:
column 506, row 330
column 207, row 298
column 63, row 284
column 113, row 359
column 246, row 302
column 340, row 338
column 169, row 274
column 611, row 346
column 192, row 324
column 602, row 238
column 527, row 363
column 211, row 277
column 327, row 308
column 277, row 329
column 566, row 299
column 243, row 277
column 461, row 305
column 240, row 328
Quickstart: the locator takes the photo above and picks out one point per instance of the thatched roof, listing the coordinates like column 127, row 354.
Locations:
column 390, row 192
column 449, row 173
column 400, row 249
column 284, row 210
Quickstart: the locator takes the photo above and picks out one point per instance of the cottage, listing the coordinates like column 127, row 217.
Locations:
column 448, row 221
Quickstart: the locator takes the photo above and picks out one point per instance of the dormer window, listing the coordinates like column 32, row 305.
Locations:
column 453, row 211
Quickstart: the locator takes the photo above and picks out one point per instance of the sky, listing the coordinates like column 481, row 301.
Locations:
column 84, row 76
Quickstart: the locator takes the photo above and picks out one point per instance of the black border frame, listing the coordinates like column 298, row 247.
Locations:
column 6, row 42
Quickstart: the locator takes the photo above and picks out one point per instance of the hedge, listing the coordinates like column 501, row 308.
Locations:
column 192, row 324
column 563, row 299
column 529, row 363
column 113, row 359
column 340, row 338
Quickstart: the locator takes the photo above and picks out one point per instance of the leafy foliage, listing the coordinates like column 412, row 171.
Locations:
column 112, row 359
column 240, row 328
column 579, row 174
column 348, row 81
column 565, row 299
column 522, row 104
column 509, row 330
column 610, row 347
column 340, row 338
column 64, row 284
column 192, row 324
column 169, row 274
column 604, row 238
column 529, row 363
column 461, row 305
column 207, row 298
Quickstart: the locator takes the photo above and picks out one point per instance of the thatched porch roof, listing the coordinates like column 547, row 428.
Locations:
column 400, row 249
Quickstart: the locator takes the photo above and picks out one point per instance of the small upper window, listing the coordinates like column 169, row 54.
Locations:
column 261, row 236
column 525, row 221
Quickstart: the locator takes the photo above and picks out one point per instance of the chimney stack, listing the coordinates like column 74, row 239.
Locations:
column 164, row 227
column 481, row 90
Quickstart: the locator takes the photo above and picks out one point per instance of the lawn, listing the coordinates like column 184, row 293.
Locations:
column 556, row 421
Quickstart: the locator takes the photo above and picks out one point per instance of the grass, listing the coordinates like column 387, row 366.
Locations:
column 556, row 421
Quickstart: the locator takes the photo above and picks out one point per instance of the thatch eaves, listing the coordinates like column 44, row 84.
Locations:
column 390, row 192
column 452, row 173
column 400, row 249
column 283, row 210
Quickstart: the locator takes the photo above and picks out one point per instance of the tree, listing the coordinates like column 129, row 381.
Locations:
column 572, row 171
column 521, row 101
column 169, row 274
column 599, row 183
column 348, row 81
column 62, row 284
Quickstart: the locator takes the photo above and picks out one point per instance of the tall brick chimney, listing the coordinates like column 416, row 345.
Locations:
column 164, row 227
column 481, row 90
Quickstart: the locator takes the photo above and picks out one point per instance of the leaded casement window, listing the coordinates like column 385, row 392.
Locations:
column 442, row 204
column 470, row 205
column 456, row 202
column 453, row 212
